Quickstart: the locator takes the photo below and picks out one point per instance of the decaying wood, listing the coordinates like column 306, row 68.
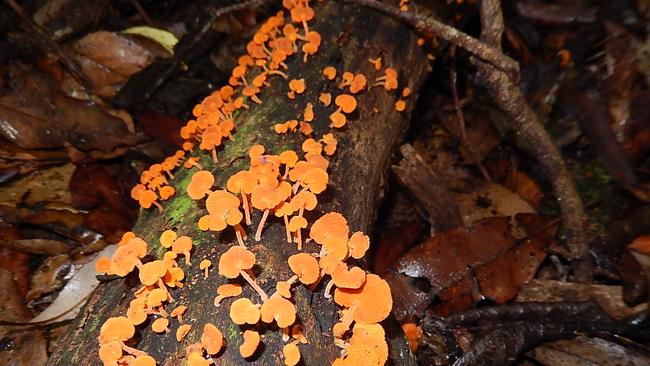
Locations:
column 350, row 36
column 430, row 193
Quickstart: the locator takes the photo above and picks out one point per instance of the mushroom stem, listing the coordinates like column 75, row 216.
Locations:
column 217, row 300
column 293, row 279
column 299, row 235
column 254, row 285
column 214, row 155
column 161, row 284
column 286, row 228
column 240, row 239
column 160, row 208
column 285, row 334
column 328, row 289
column 258, row 233
column 247, row 209
column 132, row 351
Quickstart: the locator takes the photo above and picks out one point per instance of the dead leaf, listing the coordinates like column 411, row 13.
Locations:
column 34, row 114
column 608, row 297
column 50, row 276
column 47, row 187
column 458, row 266
column 585, row 351
column 26, row 348
column 490, row 199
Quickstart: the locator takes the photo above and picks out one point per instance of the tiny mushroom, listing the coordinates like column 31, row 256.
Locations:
column 211, row 339
column 251, row 342
column 205, row 266
column 243, row 311
column 200, row 184
column 182, row 331
column 227, row 290
column 237, row 261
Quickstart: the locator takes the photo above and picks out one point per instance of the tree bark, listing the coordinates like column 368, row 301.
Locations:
column 350, row 36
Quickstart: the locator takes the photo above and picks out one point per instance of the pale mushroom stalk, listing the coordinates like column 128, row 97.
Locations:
column 247, row 209
column 254, row 285
column 258, row 233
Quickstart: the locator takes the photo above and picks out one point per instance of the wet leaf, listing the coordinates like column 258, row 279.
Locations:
column 490, row 199
column 585, row 351
column 35, row 115
column 47, row 187
column 50, row 276
column 459, row 266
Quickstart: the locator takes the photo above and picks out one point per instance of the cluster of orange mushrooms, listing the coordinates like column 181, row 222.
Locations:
column 281, row 187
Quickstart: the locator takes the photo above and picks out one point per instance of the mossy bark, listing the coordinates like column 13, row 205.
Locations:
column 350, row 36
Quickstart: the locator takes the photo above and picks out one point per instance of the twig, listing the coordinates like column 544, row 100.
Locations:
column 143, row 13
column 510, row 99
column 453, row 76
column 431, row 27
column 67, row 62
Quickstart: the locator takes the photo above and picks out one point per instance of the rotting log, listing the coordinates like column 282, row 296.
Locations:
column 351, row 36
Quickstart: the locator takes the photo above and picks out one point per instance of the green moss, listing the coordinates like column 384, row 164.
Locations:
column 232, row 333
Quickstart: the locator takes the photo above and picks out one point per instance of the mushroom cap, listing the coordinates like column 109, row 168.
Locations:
column 251, row 342
column 370, row 336
column 110, row 352
column 116, row 329
column 312, row 146
column 304, row 199
column 236, row 259
column 206, row 263
column 182, row 244
column 179, row 310
column 329, row 72
column 229, row 289
column 358, row 245
column 182, row 331
column 289, row 158
column 291, row 354
column 196, row 359
column 136, row 311
column 144, row 360
column 315, row 180
column 212, row 339
column 305, row 267
column 156, row 297
column 279, row 309
column 325, row 98
column 243, row 181
column 220, row 200
column 346, row 102
column 330, row 225
column 373, row 301
column 200, row 184
column 243, row 311
column 160, row 325
column 283, row 288
column 150, row 272
column 167, row 238
column 351, row 278
column 338, row 120
column 296, row 223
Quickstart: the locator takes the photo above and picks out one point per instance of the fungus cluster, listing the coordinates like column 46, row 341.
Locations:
column 276, row 187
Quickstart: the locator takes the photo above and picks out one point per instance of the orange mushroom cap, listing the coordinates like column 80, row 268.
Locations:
column 200, row 184
column 144, row 360
column 236, row 259
column 182, row 331
column 243, row 181
column 160, row 325
column 330, row 225
column 167, row 238
column 305, row 267
column 315, row 180
column 351, row 279
column 116, row 329
column 243, row 311
column 227, row 290
column 178, row 311
column 325, row 98
column 372, row 302
column 400, row 105
column 291, row 354
column 358, row 245
column 279, row 309
column 251, row 342
column 211, row 339
column 346, row 102
column 151, row 272
column 370, row 337
column 329, row 72
column 110, row 352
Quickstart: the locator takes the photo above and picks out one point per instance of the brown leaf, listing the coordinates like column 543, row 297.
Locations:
column 103, row 190
column 457, row 265
column 34, row 114
column 608, row 297
column 15, row 262
column 587, row 351
column 641, row 245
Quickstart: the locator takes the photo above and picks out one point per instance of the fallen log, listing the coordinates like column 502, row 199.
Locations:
column 357, row 175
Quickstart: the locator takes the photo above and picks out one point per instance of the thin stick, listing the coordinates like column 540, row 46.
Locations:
column 431, row 27
column 523, row 120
